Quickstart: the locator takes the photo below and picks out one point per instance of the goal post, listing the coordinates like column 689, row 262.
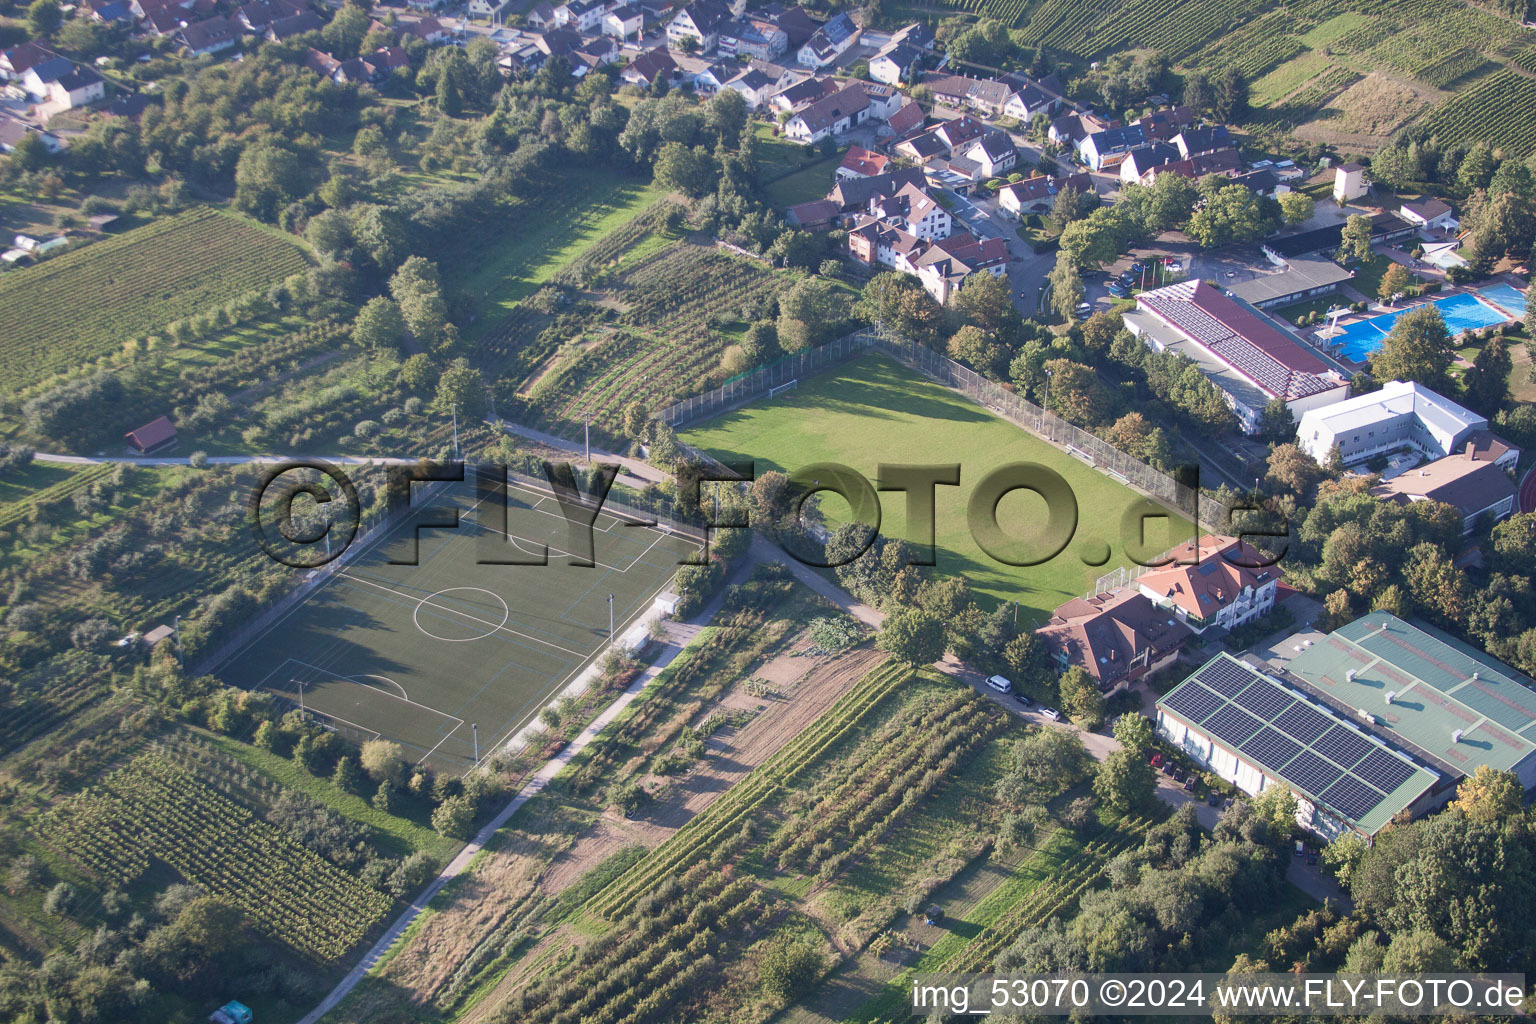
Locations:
column 775, row 392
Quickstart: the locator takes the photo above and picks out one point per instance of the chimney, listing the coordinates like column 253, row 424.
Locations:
column 1471, row 450
column 1391, row 696
column 1350, row 675
column 1455, row 735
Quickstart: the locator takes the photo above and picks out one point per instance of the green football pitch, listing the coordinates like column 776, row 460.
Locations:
column 423, row 654
column 873, row 410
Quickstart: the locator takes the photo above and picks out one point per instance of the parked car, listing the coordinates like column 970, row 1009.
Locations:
column 1000, row 684
column 1024, row 702
column 1051, row 713
column 1119, row 290
column 1214, row 799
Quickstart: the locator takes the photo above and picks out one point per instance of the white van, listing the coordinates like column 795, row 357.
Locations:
column 1000, row 684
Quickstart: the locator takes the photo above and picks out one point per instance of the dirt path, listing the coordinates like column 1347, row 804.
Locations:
column 730, row 754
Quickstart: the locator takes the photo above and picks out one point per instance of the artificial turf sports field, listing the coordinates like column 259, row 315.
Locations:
column 873, row 410
column 419, row 654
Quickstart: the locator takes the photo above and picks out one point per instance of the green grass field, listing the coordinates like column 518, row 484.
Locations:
column 87, row 303
column 874, row 411
column 803, row 186
column 421, row 654
column 529, row 257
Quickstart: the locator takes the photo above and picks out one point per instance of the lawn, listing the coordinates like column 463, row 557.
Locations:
column 874, row 411
column 803, row 186
column 1321, row 304
column 529, row 256
column 1368, row 275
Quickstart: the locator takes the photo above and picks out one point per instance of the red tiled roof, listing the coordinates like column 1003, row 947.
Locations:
column 152, row 434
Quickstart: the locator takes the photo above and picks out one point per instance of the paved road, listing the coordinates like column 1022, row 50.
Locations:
column 640, row 473
column 214, row 460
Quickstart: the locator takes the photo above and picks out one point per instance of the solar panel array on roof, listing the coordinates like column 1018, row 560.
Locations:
column 1343, row 746
column 1303, row 722
column 1232, row 724
column 1383, row 771
column 1195, row 703
column 1328, row 760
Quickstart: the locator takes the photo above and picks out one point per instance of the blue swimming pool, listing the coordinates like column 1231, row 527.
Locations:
column 1511, row 300
column 1462, row 312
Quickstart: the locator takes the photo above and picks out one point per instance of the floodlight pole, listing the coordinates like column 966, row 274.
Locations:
column 586, row 418
column 455, row 429
column 301, row 696
column 475, row 728
column 181, row 657
column 610, row 618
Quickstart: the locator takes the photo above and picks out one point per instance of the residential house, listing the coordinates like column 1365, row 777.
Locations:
column 1102, row 148
column 859, row 162
column 817, row 215
column 651, row 66
column 1038, row 194
column 856, row 193
column 580, row 15
column 797, row 25
column 1225, row 162
column 13, row 131
column 495, row 10
column 1072, row 128
column 556, row 41
column 896, row 63
column 161, row 17
column 1213, row 583
column 755, row 87
column 908, row 118
column 111, row 12
column 944, row 267
column 1478, row 488
column 624, row 21
column 63, row 84
column 1201, row 140
column 753, row 37
column 829, row 42
column 831, row 116
column 156, row 435
column 594, row 53
column 427, row 29
column 994, row 154
column 542, row 15
column 1430, row 214
column 803, row 94
column 290, row 28
column 1163, row 125
column 884, row 100
column 1139, row 162
column 1116, row 637
column 210, row 35
column 701, row 21
column 913, row 210
column 256, row 15
column 1025, row 102
column 713, row 78
column 18, row 60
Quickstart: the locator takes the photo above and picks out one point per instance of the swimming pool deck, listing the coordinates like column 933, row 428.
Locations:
column 1498, row 302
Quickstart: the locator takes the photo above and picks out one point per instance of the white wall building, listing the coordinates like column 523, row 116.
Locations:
column 1401, row 414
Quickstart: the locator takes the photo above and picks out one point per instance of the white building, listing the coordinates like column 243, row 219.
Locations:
column 1402, row 414
column 1215, row 583
column 1349, row 183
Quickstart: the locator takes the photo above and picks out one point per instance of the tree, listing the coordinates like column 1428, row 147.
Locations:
column 913, row 636
column 1276, row 806
column 1514, row 540
column 1066, row 287
column 1043, row 765
column 344, row 33
column 1293, row 469
column 44, row 18
column 450, row 99
column 1418, row 348
column 1100, row 237
column 210, row 926
column 1337, row 611
column 1198, row 93
column 1134, row 731
column 348, row 776
column 379, row 327
column 1077, row 394
column 789, row 968
column 417, row 374
column 726, row 116
column 384, row 761
column 1395, row 280
column 455, row 817
column 1435, row 583
column 1081, row 699
column 1233, row 214
column 985, row 302
column 460, row 387
column 1230, row 99
column 416, row 289
column 691, row 171
column 1125, row 781
column 1490, row 796
column 1277, row 423
column 1356, row 243
column 978, row 350
column 1487, row 383
column 1065, row 208
column 1530, row 303
column 1297, row 207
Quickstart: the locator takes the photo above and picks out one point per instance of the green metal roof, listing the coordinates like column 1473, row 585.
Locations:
column 1316, row 751
column 1439, row 687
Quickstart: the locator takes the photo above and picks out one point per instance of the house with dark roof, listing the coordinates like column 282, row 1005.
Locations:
column 650, row 66
column 1139, row 162
column 624, row 21
column 1201, row 140
column 994, row 154
column 154, row 436
column 1479, row 490
column 755, row 86
column 112, row 12
column 834, row 115
column 13, row 131
column 210, row 35
column 700, row 21
column 803, row 94
column 829, row 42
column 1428, row 213
column 18, row 60
column 1101, row 149
column 752, row 37
column 896, row 63
column 796, row 24
column 256, row 15
column 817, row 215
column 283, row 29
column 1116, row 637
column 63, row 84
column 857, row 193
